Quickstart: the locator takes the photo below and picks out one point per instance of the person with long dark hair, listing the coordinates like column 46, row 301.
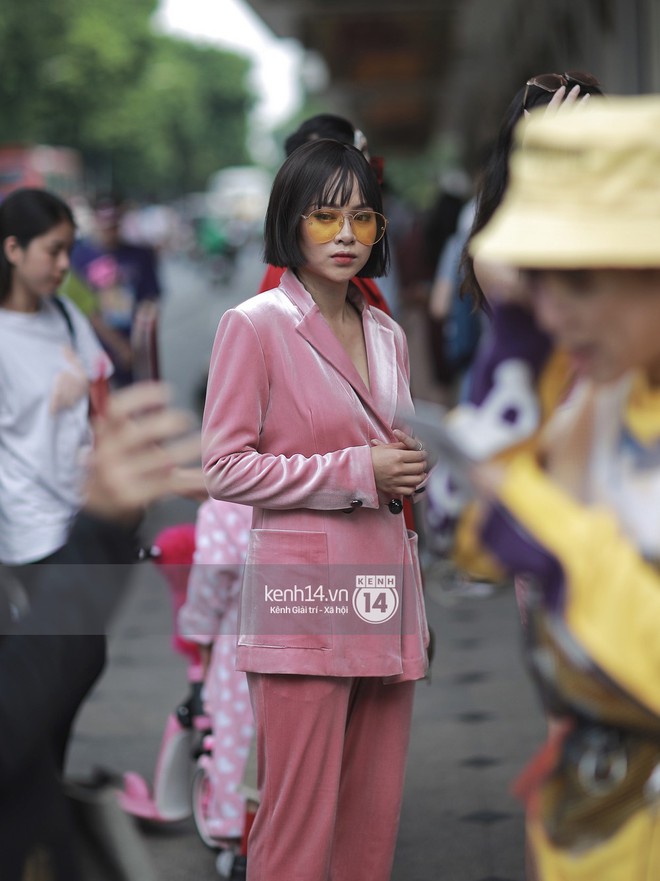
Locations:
column 503, row 409
column 44, row 642
column 576, row 508
column 550, row 90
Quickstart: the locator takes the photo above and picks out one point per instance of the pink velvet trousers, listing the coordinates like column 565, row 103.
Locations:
column 331, row 759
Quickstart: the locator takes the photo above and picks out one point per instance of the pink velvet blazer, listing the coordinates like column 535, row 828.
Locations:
column 287, row 429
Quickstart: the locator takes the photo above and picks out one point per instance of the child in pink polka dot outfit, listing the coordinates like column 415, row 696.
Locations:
column 209, row 617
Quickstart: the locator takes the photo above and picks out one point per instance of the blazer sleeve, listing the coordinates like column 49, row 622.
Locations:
column 234, row 467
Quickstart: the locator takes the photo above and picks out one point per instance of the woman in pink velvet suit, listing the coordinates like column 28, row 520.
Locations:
column 303, row 421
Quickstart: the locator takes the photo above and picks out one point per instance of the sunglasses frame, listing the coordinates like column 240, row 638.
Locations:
column 351, row 216
column 577, row 77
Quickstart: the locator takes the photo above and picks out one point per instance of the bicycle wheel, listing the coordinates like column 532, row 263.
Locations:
column 202, row 797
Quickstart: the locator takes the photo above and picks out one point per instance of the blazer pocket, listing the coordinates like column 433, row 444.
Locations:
column 286, row 574
column 418, row 584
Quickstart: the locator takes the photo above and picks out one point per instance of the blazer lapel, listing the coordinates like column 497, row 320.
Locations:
column 381, row 352
column 381, row 355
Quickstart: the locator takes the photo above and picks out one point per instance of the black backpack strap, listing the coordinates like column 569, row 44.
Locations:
column 59, row 303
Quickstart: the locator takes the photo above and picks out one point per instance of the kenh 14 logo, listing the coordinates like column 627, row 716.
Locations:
column 375, row 598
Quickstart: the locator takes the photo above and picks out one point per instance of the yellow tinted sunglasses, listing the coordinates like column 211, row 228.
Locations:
column 325, row 223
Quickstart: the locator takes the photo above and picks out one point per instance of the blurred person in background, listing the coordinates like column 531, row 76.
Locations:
column 52, row 369
column 109, row 279
column 417, row 248
column 209, row 617
column 485, row 404
column 499, row 407
column 457, row 295
column 152, row 225
column 576, row 507
column 551, row 90
column 456, row 319
column 51, row 364
column 448, row 225
column 44, row 638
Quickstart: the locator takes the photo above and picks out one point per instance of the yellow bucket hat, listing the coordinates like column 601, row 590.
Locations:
column 584, row 190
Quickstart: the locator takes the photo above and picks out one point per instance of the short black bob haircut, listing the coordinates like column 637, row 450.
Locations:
column 319, row 174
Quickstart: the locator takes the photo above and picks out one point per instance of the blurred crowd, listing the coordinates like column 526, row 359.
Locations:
column 523, row 300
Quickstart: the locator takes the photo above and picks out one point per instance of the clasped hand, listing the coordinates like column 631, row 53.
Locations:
column 399, row 468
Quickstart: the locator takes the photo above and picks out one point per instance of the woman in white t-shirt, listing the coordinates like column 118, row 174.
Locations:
column 49, row 361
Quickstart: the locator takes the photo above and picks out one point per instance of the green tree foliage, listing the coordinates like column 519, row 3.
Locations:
column 150, row 113
column 187, row 116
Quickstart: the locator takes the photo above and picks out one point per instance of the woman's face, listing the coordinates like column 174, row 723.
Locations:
column 40, row 268
column 338, row 260
column 607, row 320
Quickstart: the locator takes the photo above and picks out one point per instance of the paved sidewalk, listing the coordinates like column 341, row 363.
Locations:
column 476, row 722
